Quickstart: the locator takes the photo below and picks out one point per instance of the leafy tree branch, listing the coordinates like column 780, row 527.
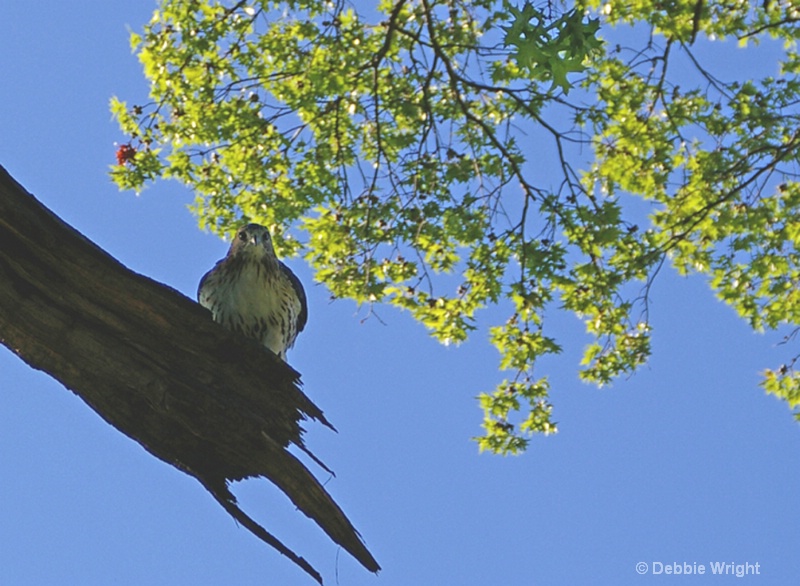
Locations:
column 392, row 148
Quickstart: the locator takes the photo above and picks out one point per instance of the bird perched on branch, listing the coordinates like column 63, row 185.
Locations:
column 252, row 292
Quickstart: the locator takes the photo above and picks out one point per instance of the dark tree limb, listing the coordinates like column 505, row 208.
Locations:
column 153, row 364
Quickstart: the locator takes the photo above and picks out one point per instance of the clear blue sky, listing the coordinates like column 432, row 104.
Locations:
column 687, row 461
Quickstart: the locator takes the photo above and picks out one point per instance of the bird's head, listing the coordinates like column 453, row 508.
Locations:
column 252, row 239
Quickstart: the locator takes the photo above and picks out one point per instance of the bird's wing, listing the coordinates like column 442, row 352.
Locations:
column 205, row 278
column 301, row 295
column 202, row 282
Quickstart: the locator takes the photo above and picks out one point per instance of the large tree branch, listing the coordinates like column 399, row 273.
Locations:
column 154, row 365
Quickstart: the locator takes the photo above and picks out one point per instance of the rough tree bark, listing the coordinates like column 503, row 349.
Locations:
column 153, row 364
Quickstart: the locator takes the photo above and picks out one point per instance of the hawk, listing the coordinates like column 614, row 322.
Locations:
column 250, row 291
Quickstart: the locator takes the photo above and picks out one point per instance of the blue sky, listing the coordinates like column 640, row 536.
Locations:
column 687, row 461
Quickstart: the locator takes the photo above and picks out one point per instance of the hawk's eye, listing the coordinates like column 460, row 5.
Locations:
column 243, row 236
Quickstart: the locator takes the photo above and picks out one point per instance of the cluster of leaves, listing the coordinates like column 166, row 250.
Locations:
column 394, row 143
column 551, row 47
